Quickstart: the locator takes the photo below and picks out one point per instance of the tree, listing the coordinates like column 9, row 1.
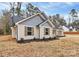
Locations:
column 18, row 8
column 12, row 9
column 5, row 21
column 12, row 12
column 15, row 8
column 72, row 19
column 32, row 9
column 74, row 15
column 62, row 22
column 75, row 24
column 60, row 19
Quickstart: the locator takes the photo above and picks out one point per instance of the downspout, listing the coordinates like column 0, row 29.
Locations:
column 39, row 32
column 17, row 34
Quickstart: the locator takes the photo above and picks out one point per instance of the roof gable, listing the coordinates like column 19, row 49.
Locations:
column 38, row 14
column 48, row 23
column 33, row 21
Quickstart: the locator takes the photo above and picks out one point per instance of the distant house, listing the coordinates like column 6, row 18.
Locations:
column 33, row 27
column 66, row 29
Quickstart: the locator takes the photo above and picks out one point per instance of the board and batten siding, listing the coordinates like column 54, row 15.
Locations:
column 54, row 32
column 14, row 32
column 32, row 22
column 21, row 33
column 39, row 32
column 58, row 32
column 42, row 32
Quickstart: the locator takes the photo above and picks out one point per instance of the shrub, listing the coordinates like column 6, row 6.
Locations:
column 1, row 32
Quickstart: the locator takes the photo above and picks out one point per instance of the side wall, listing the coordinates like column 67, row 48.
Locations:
column 13, row 32
column 38, row 33
column 42, row 28
column 46, row 36
column 60, row 34
column 32, row 22
column 21, row 33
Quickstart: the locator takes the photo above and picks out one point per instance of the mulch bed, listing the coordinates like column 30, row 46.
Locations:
column 71, row 33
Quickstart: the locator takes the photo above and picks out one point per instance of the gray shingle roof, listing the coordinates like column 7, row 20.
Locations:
column 15, row 19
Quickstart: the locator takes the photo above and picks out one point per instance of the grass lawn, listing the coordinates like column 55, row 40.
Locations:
column 64, row 46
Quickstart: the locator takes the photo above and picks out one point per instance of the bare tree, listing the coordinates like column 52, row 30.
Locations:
column 18, row 8
column 72, row 19
column 5, row 21
column 15, row 8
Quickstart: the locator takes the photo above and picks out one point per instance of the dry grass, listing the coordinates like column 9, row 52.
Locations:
column 5, row 38
column 65, row 46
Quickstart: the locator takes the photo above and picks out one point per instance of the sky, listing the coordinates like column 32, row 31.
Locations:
column 50, row 8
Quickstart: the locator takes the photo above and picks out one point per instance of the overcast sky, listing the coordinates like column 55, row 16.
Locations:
column 50, row 8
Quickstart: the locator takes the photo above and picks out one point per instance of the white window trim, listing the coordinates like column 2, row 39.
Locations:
column 26, row 31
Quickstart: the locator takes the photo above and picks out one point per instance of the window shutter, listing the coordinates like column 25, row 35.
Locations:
column 44, row 31
column 49, row 31
column 32, row 31
column 25, row 30
column 54, row 32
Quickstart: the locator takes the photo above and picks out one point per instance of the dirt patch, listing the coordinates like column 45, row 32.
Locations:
column 5, row 38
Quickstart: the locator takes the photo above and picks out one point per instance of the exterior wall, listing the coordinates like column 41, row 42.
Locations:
column 60, row 34
column 38, row 31
column 21, row 33
column 29, row 23
column 55, row 34
column 13, row 29
column 42, row 35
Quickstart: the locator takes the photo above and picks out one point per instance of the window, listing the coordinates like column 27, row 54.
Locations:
column 46, row 31
column 29, row 31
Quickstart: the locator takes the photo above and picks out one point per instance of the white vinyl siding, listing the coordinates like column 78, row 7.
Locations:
column 28, row 29
column 54, row 32
column 60, row 32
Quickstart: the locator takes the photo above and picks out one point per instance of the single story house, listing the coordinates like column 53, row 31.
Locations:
column 33, row 27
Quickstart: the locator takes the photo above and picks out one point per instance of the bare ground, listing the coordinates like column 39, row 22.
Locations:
column 65, row 46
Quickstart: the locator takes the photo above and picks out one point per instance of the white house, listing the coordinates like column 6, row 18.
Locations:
column 66, row 29
column 33, row 27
